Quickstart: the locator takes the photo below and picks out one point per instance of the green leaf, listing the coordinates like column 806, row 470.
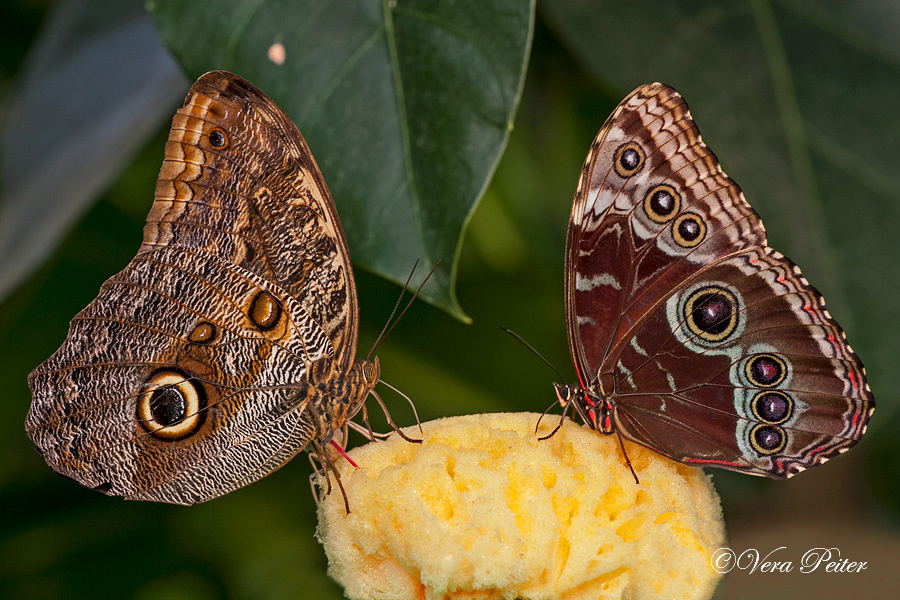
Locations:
column 799, row 102
column 406, row 106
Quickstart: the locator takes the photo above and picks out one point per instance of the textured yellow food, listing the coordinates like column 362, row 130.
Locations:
column 483, row 509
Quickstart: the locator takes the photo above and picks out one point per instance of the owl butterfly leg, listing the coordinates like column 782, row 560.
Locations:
column 338, row 442
column 323, row 458
column 387, row 416
column 367, row 432
column 388, row 327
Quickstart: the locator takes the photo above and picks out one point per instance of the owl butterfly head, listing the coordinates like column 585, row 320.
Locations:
column 689, row 334
column 227, row 345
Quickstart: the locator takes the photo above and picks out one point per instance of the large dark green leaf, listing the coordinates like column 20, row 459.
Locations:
column 407, row 106
column 769, row 84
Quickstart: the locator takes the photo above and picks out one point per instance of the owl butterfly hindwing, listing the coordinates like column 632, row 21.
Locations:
column 227, row 344
column 689, row 334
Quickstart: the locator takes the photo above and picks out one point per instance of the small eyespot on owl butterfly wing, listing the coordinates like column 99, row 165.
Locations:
column 228, row 343
column 689, row 334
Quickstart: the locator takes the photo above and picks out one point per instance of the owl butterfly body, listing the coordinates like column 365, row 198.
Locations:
column 227, row 344
column 689, row 334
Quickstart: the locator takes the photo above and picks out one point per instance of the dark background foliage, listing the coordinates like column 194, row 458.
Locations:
column 798, row 100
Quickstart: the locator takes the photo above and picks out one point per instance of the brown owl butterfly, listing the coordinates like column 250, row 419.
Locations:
column 228, row 344
column 689, row 334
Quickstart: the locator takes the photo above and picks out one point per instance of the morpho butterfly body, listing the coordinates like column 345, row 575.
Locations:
column 689, row 334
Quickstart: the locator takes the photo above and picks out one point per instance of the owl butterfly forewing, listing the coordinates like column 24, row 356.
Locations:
column 689, row 334
column 227, row 344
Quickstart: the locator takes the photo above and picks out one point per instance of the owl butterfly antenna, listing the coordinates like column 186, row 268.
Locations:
column 394, row 311
column 386, row 330
column 388, row 327
column 522, row 341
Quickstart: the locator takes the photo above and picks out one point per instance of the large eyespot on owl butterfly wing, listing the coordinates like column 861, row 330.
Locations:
column 227, row 344
column 689, row 334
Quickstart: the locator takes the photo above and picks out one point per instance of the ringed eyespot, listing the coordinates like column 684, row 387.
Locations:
column 688, row 230
column 218, row 139
column 712, row 313
column 765, row 370
column 203, row 333
column 265, row 311
column 629, row 159
column 768, row 439
column 171, row 405
column 772, row 406
column 662, row 203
